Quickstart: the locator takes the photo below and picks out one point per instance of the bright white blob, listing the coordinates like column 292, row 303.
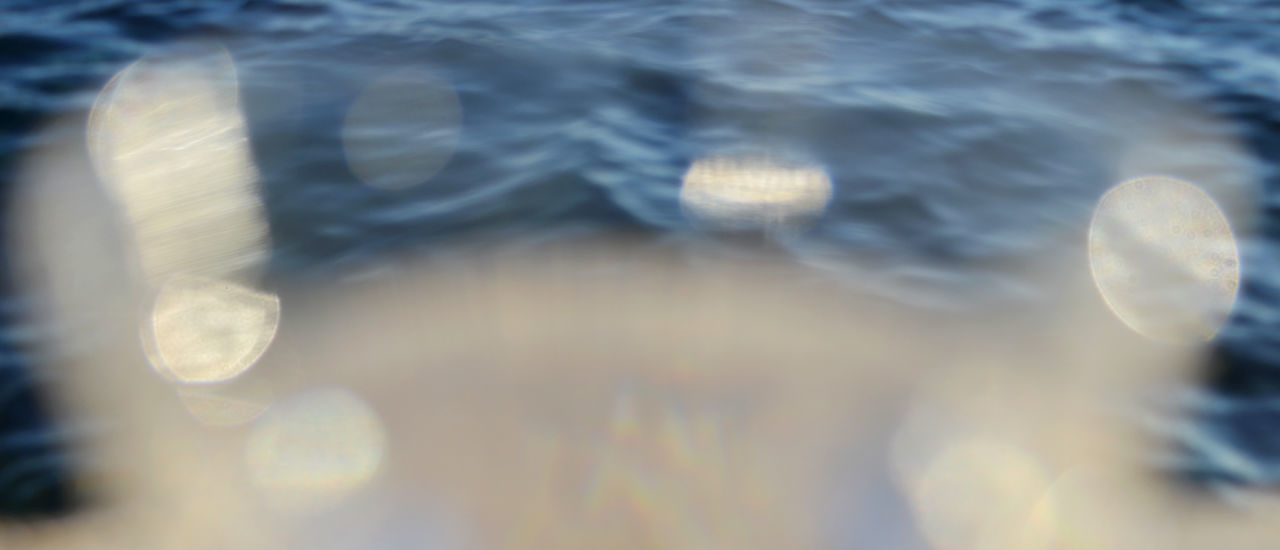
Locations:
column 754, row 193
column 205, row 331
column 1164, row 259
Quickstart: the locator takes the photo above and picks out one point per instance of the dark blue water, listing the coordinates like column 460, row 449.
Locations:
column 962, row 138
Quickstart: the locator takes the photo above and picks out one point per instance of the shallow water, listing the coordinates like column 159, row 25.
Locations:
column 963, row 142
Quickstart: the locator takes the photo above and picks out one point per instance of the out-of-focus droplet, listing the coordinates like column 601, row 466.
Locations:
column 979, row 494
column 1087, row 508
column 402, row 129
column 167, row 137
column 320, row 444
column 754, row 192
column 205, row 331
column 1164, row 259
column 222, row 407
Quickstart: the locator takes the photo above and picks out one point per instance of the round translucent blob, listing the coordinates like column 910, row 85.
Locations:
column 654, row 469
column 979, row 494
column 402, row 129
column 669, row 473
column 205, row 331
column 1086, row 509
column 1164, row 258
column 321, row 443
column 754, row 192
column 167, row 137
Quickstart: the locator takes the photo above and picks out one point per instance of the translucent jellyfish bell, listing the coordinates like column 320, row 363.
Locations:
column 754, row 192
column 205, row 331
column 1164, row 258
